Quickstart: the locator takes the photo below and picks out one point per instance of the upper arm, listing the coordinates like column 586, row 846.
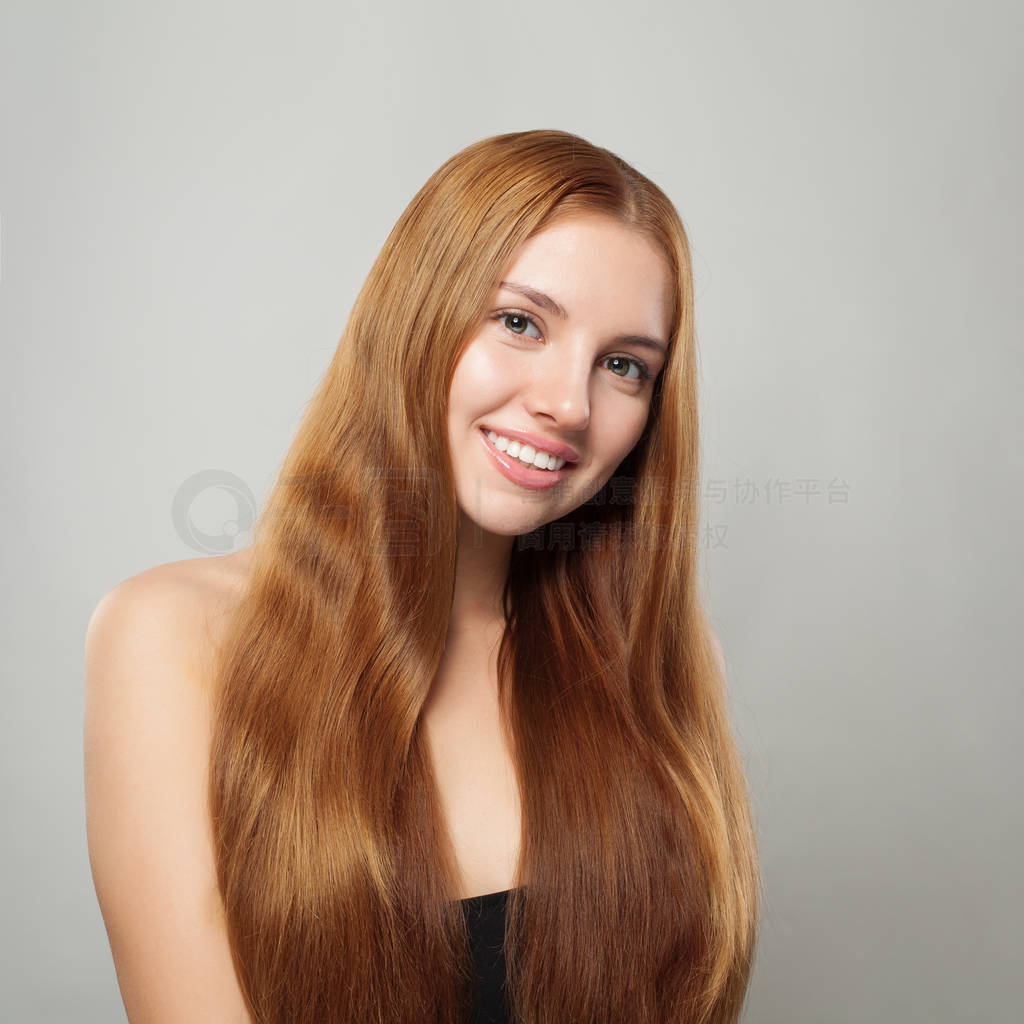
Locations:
column 147, row 741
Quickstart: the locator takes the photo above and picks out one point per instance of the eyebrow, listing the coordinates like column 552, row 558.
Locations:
column 548, row 303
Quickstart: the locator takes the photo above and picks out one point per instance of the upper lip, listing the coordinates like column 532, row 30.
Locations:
column 546, row 444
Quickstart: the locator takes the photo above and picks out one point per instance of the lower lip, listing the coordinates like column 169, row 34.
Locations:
column 533, row 479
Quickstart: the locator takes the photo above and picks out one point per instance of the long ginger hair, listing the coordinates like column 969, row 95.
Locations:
column 637, row 890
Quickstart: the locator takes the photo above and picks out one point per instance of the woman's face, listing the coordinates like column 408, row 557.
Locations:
column 560, row 362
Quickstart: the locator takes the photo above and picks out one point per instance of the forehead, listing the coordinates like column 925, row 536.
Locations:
column 599, row 269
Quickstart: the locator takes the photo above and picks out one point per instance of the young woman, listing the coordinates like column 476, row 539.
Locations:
column 457, row 717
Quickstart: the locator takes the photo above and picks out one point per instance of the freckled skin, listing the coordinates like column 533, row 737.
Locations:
column 558, row 379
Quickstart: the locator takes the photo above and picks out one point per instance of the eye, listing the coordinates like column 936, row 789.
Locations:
column 642, row 372
column 517, row 322
column 520, row 320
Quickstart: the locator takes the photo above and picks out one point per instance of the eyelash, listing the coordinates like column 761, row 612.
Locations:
column 645, row 373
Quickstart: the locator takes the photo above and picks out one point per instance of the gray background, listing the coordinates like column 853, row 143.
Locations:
column 191, row 196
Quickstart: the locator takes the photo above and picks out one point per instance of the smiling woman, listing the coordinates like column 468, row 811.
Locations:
column 558, row 376
column 450, row 741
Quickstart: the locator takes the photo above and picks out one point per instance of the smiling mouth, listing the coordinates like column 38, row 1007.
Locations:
column 525, row 475
column 527, row 455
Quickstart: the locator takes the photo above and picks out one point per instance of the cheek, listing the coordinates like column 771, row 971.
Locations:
column 623, row 428
column 483, row 376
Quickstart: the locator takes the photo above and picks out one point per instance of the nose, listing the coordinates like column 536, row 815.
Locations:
column 560, row 393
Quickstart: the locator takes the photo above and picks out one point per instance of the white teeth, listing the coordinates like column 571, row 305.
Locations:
column 525, row 453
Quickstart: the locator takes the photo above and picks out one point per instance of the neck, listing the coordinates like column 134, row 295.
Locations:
column 481, row 567
column 466, row 679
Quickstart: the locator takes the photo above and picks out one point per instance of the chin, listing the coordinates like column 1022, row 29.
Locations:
column 512, row 524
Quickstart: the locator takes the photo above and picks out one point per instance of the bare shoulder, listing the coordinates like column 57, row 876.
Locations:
column 147, row 734
column 176, row 609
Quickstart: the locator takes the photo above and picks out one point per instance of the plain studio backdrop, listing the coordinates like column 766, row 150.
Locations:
column 191, row 195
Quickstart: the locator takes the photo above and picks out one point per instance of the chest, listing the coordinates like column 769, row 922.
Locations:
column 473, row 768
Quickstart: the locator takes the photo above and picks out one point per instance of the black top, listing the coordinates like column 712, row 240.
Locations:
column 485, row 918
